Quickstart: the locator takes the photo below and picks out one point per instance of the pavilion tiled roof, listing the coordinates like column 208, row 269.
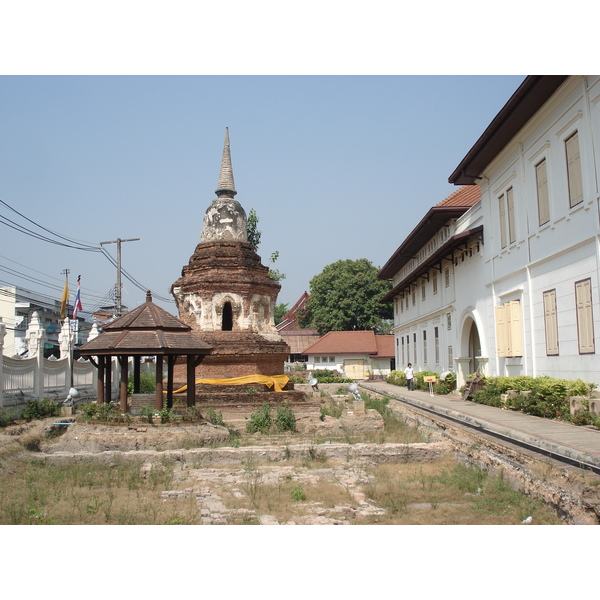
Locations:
column 147, row 329
column 353, row 342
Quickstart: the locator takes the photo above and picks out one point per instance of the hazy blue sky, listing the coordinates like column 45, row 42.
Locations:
column 336, row 167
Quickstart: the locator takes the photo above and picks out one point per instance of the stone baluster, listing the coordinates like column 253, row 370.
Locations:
column 35, row 345
column 66, row 340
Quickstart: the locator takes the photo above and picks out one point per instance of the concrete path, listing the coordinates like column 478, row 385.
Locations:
column 580, row 445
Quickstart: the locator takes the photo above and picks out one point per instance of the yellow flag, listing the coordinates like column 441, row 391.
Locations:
column 63, row 300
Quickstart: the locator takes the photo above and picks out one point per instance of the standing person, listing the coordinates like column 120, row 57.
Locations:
column 410, row 374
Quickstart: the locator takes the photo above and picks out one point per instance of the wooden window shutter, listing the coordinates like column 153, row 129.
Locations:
column 551, row 323
column 516, row 329
column 542, row 192
column 502, row 221
column 500, row 331
column 585, row 324
column 574, row 170
column 512, row 236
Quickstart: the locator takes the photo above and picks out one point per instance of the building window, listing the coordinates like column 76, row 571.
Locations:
column 585, row 317
column 402, row 350
column 414, row 298
column 541, row 178
column 450, row 358
column 424, row 347
column 401, row 304
column 408, row 348
column 448, row 321
column 447, row 276
column 510, row 207
column 434, row 282
column 332, row 359
column 551, row 323
column 574, row 170
column 423, row 290
column 436, row 336
column 415, row 346
column 317, row 359
column 509, row 336
column 502, row 211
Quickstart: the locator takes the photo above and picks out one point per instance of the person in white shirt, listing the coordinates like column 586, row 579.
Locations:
column 410, row 374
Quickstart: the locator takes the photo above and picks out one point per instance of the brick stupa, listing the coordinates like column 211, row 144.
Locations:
column 225, row 293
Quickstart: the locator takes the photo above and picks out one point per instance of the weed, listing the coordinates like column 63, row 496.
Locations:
column 285, row 420
column 215, row 417
column 298, row 494
column 260, row 420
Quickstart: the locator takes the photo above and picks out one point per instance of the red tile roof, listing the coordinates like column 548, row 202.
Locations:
column 353, row 342
column 468, row 195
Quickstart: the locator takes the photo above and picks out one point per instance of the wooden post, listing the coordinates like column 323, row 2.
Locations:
column 136, row 374
column 159, row 382
column 191, row 380
column 124, row 360
column 108, row 379
column 100, row 382
column 170, row 364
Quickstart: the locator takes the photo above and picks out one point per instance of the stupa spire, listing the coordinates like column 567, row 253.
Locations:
column 226, row 187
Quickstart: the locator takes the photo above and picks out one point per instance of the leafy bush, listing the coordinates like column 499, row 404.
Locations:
column 549, row 396
column 147, row 383
column 285, row 419
column 40, row 409
column 445, row 387
column 260, row 420
column 396, row 378
column 328, row 376
column 440, row 387
column 6, row 419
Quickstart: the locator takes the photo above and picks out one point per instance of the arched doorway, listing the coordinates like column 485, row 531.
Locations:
column 474, row 347
column 227, row 322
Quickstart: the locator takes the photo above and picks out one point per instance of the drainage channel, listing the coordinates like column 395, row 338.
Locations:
column 579, row 463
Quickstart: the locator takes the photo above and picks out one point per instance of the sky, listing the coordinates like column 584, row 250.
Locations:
column 336, row 167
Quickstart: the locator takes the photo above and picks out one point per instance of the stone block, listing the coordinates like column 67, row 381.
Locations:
column 576, row 404
column 595, row 406
column 359, row 407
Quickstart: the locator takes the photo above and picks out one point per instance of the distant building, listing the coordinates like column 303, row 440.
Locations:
column 356, row 354
column 297, row 339
column 17, row 306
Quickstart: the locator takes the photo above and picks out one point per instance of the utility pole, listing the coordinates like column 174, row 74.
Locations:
column 118, row 242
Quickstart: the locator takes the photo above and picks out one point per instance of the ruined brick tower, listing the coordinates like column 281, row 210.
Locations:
column 226, row 294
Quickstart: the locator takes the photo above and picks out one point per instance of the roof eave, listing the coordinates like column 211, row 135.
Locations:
column 529, row 97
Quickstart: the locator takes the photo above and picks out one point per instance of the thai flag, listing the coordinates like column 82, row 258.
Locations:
column 77, row 307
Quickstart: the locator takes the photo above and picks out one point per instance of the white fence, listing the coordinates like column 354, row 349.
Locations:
column 33, row 378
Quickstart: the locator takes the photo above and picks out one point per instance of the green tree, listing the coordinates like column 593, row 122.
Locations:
column 254, row 234
column 252, row 229
column 345, row 296
column 281, row 310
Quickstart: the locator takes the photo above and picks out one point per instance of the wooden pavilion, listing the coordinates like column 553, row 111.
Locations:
column 148, row 330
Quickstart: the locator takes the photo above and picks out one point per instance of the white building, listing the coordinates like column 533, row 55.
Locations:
column 17, row 306
column 428, row 272
column 526, row 299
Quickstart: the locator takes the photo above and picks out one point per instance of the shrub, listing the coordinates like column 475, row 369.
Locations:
column 419, row 382
column 6, row 419
column 40, row 409
column 549, row 396
column 260, row 420
column 147, row 383
column 396, row 378
column 285, row 420
column 447, row 386
column 89, row 410
column 328, row 376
